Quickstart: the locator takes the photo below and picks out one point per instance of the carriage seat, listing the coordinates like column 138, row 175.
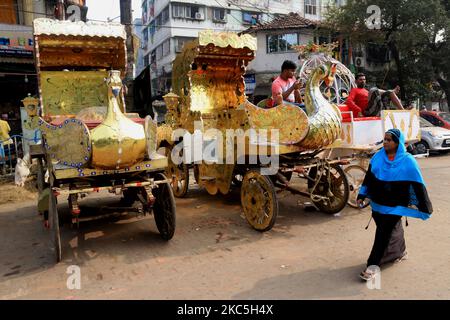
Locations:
column 347, row 115
column 265, row 103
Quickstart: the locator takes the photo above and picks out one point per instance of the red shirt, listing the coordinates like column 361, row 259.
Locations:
column 358, row 100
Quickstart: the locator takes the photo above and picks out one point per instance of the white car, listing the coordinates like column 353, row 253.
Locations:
column 433, row 138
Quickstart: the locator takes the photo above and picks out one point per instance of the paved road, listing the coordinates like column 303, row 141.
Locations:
column 215, row 255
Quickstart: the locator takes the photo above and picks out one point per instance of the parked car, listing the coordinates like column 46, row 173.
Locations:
column 433, row 138
column 437, row 118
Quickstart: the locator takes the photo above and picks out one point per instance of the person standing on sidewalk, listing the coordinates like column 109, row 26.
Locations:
column 4, row 141
column 395, row 187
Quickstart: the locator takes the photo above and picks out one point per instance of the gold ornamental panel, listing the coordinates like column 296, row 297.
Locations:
column 69, row 92
column 225, row 39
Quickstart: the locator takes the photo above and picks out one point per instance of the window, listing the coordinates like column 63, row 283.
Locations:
column 250, row 18
column 145, row 34
column 178, row 11
column 431, row 119
column 162, row 50
column 166, row 47
column 310, row 7
column 165, row 15
column 152, row 28
column 281, row 42
column 424, row 123
column 194, row 12
column 188, row 12
column 153, row 56
column 144, row 12
column 146, row 60
column 218, row 14
column 158, row 22
column 159, row 53
column 151, row 12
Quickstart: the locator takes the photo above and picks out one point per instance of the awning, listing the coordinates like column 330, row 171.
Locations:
column 66, row 44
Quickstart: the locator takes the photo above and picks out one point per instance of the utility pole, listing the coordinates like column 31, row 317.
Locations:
column 126, row 19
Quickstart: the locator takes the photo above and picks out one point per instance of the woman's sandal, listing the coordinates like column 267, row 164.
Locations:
column 403, row 257
column 367, row 275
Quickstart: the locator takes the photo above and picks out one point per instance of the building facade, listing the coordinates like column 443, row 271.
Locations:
column 139, row 50
column 276, row 40
column 168, row 24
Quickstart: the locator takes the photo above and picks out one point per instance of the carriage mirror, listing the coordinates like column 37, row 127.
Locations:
column 31, row 105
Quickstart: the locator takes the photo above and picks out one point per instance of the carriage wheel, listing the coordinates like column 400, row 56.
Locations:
column 179, row 175
column 54, row 225
column 258, row 199
column 335, row 190
column 40, row 175
column 196, row 173
column 355, row 177
column 164, row 208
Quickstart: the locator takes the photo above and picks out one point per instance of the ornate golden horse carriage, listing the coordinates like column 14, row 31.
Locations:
column 208, row 100
column 90, row 143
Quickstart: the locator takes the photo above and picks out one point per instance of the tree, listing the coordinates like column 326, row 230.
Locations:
column 415, row 31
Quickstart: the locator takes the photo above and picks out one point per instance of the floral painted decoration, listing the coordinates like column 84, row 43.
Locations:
column 307, row 50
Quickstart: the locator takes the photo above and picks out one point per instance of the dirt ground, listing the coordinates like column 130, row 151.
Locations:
column 216, row 255
column 10, row 193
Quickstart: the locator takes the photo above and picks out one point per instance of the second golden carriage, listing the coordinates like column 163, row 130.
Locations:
column 208, row 102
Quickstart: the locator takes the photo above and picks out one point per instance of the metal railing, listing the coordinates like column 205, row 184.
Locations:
column 10, row 150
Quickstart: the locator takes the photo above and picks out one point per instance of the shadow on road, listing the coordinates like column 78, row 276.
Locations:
column 205, row 223
column 322, row 283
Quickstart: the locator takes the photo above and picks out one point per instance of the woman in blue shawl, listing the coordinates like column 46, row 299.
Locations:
column 395, row 187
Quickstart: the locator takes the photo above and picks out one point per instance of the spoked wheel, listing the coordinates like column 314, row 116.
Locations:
column 329, row 188
column 164, row 208
column 355, row 177
column 179, row 176
column 258, row 199
column 54, row 225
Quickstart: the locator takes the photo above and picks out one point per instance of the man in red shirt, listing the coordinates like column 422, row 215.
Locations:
column 285, row 87
column 364, row 103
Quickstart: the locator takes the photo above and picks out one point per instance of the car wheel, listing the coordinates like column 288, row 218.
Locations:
column 422, row 147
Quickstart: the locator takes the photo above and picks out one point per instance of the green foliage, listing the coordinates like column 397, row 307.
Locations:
column 416, row 32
